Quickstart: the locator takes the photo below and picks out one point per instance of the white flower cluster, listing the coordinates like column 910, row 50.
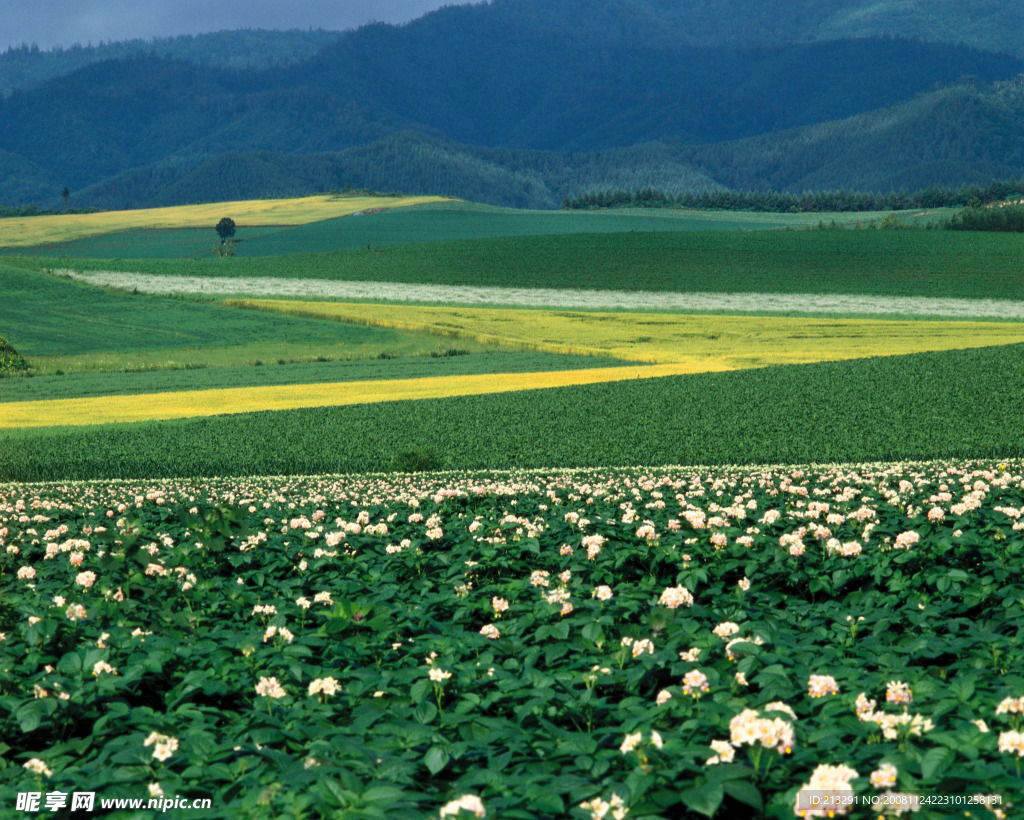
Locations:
column 163, row 745
column 270, row 688
column 326, row 686
column 468, row 802
column 750, row 727
column 599, row 809
column 891, row 725
column 634, row 740
column 675, row 597
column 827, row 780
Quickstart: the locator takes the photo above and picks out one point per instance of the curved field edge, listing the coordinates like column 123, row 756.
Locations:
column 57, row 324
column 37, row 230
column 76, row 412
column 951, row 264
column 718, row 342
column 446, row 361
column 434, row 222
column 954, row 404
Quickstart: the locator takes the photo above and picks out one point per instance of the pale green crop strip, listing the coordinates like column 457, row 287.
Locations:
column 552, row 297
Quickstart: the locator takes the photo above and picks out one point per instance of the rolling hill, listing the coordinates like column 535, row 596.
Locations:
column 593, row 93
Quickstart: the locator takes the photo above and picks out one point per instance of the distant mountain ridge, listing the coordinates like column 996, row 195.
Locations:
column 930, row 140
column 526, row 101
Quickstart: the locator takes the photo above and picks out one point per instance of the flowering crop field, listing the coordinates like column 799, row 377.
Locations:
column 235, row 400
column 716, row 342
column 650, row 643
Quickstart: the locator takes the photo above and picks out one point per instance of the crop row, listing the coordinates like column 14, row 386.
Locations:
column 233, row 400
column 965, row 404
column 717, row 342
column 947, row 264
column 673, row 643
column 571, row 299
column 448, row 359
column 59, row 324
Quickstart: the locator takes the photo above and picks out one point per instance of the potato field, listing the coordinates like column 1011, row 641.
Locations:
column 431, row 510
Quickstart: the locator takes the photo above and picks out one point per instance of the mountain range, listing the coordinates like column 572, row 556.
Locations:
column 522, row 102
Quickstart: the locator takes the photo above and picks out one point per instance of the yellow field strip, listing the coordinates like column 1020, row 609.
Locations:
column 177, row 405
column 718, row 342
column 20, row 232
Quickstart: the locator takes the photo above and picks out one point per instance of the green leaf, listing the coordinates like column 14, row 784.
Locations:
column 419, row 690
column 436, row 759
column 745, row 792
column 380, row 794
column 704, row 799
column 935, row 760
column 70, row 664
column 29, row 715
column 426, row 712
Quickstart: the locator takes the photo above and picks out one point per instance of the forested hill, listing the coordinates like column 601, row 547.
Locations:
column 26, row 66
column 523, row 101
column 990, row 25
column 968, row 133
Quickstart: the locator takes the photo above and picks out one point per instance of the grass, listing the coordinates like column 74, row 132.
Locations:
column 28, row 231
column 680, row 344
column 57, row 324
column 897, row 263
column 951, row 404
column 413, row 224
column 444, row 361
column 711, row 342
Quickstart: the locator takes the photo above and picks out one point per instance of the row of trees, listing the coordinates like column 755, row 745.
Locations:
column 1008, row 218
column 807, row 202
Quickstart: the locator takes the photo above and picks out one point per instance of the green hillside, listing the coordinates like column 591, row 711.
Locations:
column 430, row 224
column 968, row 131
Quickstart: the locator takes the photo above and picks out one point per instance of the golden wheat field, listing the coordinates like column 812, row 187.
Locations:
column 21, row 232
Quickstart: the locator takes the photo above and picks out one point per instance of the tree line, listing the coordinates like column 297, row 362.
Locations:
column 807, row 202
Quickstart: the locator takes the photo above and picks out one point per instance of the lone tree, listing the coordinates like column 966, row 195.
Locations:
column 225, row 229
column 65, row 195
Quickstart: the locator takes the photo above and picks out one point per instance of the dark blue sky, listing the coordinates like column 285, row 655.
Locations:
column 51, row 23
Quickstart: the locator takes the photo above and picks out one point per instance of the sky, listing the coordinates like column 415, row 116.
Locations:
column 50, row 23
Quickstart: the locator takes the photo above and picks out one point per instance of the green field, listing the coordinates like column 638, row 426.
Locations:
column 895, row 263
column 377, row 632
column 954, row 404
column 58, row 324
column 445, row 361
column 434, row 223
